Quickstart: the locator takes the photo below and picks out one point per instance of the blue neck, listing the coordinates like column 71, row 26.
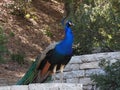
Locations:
column 65, row 46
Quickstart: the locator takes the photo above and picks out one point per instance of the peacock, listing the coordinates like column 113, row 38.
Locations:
column 53, row 58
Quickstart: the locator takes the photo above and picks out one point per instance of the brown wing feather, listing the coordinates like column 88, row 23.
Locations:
column 45, row 69
column 43, row 55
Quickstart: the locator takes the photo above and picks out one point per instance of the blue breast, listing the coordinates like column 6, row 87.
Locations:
column 65, row 46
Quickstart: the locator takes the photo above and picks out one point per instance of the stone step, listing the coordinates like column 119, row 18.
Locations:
column 45, row 86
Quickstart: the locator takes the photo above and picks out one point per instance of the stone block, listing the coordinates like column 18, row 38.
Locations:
column 93, row 71
column 58, row 81
column 114, row 55
column 19, row 87
column 75, row 67
column 75, row 60
column 72, row 80
column 72, row 74
column 71, row 67
column 89, row 65
column 55, row 86
column 90, row 87
column 68, row 68
column 99, row 56
column 5, row 88
column 85, row 81
column 88, row 58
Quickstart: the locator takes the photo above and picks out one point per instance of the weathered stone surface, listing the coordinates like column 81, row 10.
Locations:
column 93, row 71
column 5, row 88
column 100, row 56
column 89, row 65
column 79, row 70
column 72, row 80
column 45, row 86
column 58, row 81
column 113, row 60
column 114, row 55
column 85, row 81
column 37, row 86
column 87, row 58
column 72, row 74
column 75, row 67
column 75, row 60
column 71, row 67
column 55, row 86
column 88, row 87
column 19, row 87
column 68, row 68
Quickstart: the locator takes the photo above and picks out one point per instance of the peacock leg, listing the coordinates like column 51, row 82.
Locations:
column 54, row 72
column 61, row 70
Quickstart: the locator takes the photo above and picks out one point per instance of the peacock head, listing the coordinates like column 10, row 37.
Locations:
column 69, row 23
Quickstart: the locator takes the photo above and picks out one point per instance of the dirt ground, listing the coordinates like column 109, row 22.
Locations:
column 30, row 36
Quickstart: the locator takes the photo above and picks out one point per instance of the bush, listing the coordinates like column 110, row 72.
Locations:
column 19, row 57
column 3, row 41
column 97, row 24
column 111, row 79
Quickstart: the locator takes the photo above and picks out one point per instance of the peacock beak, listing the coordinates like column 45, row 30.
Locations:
column 71, row 24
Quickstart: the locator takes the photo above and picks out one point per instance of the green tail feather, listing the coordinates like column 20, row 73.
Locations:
column 30, row 75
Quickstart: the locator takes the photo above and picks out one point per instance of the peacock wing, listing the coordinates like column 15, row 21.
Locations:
column 43, row 54
column 33, row 71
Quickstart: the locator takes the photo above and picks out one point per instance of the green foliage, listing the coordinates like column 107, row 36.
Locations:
column 12, row 34
column 97, row 24
column 111, row 79
column 3, row 41
column 19, row 57
column 48, row 33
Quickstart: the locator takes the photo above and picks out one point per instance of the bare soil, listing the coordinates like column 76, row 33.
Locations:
column 30, row 36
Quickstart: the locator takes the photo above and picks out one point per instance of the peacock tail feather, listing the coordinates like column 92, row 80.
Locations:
column 30, row 75
column 33, row 71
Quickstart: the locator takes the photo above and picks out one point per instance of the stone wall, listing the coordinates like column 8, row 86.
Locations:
column 46, row 86
column 81, row 67
column 78, row 71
